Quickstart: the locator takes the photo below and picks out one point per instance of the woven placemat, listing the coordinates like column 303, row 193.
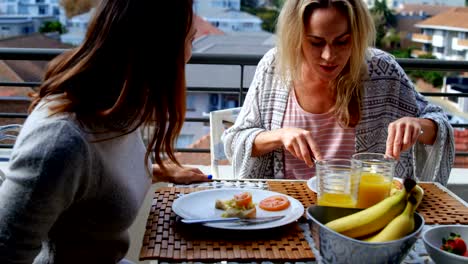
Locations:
column 166, row 239
column 437, row 206
column 295, row 189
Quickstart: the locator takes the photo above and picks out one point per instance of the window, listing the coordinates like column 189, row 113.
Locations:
column 184, row 140
column 230, row 101
column 214, row 102
column 42, row 10
column 26, row 30
column 191, row 103
column 10, row 10
column 248, row 25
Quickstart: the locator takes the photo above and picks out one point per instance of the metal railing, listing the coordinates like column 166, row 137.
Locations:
column 225, row 59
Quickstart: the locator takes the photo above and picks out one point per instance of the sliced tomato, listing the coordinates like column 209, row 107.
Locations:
column 274, row 203
column 243, row 199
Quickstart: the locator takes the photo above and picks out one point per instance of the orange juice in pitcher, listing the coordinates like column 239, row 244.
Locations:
column 376, row 178
column 373, row 188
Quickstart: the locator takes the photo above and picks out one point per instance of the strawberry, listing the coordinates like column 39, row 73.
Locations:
column 454, row 244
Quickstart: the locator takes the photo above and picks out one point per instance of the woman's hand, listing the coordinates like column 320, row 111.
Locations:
column 300, row 144
column 297, row 141
column 180, row 175
column 405, row 132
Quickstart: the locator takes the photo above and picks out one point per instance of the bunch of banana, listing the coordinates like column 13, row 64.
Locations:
column 402, row 224
column 380, row 215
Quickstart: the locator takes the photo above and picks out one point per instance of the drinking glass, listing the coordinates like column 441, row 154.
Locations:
column 376, row 178
column 337, row 182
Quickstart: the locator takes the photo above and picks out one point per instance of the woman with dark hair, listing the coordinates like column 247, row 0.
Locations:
column 324, row 93
column 79, row 170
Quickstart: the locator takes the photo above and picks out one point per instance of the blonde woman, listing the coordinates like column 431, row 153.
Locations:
column 324, row 93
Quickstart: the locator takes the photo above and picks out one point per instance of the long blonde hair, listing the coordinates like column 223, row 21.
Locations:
column 348, row 85
column 107, row 80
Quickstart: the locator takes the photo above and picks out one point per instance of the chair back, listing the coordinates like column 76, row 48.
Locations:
column 220, row 120
column 7, row 133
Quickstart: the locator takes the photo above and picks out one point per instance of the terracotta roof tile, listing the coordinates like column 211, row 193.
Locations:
column 430, row 10
column 205, row 28
column 31, row 71
column 454, row 17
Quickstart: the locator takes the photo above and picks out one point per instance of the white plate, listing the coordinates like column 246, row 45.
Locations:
column 202, row 205
column 312, row 183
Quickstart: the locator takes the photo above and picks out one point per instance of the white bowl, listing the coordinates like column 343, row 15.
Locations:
column 433, row 241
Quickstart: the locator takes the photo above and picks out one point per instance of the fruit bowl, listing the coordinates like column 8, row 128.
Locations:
column 337, row 248
column 433, row 240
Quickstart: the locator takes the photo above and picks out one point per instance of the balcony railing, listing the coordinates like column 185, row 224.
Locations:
column 416, row 53
column 222, row 59
column 462, row 42
column 421, row 38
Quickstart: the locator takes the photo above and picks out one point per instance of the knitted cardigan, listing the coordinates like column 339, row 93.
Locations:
column 387, row 96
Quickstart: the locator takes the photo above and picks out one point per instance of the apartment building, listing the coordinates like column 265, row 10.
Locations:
column 76, row 28
column 444, row 35
column 198, row 5
column 394, row 4
column 22, row 17
column 30, row 7
column 226, row 15
column 408, row 15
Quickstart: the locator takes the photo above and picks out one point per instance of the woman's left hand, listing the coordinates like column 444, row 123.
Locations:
column 402, row 134
column 180, row 175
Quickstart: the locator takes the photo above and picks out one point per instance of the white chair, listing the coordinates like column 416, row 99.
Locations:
column 7, row 133
column 220, row 120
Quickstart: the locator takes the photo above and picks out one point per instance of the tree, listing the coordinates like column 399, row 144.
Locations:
column 268, row 16
column 52, row 26
column 76, row 7
column 380, row 7
column 433, row 77
column 384, row 20
column 391, row 39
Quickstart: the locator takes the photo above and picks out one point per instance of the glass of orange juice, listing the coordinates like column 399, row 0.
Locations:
column 376, row 178
column 337, row 181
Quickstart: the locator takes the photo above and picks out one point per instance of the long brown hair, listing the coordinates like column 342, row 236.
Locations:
column 129, row 71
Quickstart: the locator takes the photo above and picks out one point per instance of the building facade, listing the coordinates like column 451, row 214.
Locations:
column 445, row 35
column 394, row 4
column 226, row 15
column 21, row 17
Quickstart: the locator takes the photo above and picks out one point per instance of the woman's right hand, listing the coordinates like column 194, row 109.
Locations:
column 297, row 141
column 300, row 144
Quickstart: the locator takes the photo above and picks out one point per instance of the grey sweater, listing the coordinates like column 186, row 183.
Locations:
column 67, row 199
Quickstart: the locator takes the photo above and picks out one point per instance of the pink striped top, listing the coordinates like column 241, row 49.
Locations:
column 333, row 140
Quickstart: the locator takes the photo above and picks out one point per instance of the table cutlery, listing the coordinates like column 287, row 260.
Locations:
column 257, row 220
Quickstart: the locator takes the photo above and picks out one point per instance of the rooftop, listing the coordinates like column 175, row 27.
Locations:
column 211, row 12
column 252, row 43
column 453, row 18
column 429, row 10
column 30, row 71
